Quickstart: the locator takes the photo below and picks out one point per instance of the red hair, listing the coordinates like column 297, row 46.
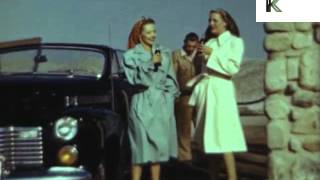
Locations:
column 136, row 31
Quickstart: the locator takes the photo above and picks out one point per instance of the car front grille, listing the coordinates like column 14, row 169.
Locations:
column 21, row 146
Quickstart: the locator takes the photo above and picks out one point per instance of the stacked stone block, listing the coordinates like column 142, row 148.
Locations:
column 292, row 83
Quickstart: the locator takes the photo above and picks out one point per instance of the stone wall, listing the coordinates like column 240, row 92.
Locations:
column 293, row 103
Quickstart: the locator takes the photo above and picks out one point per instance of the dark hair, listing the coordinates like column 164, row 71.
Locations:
column 231, row 24
column 191, row 37
column 136, row 31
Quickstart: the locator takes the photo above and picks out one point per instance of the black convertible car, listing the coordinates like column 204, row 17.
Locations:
column 63, row 110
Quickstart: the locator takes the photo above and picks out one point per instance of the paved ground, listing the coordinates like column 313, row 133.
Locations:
column 197, row 170
column 187, row 172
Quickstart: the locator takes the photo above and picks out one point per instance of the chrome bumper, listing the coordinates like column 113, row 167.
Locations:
column 54, row 173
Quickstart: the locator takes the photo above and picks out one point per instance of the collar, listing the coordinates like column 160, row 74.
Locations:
column 222, row 38
column 140, row 49
column 189, row 57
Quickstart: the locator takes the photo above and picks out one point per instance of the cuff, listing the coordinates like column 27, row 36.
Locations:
column 213, row 61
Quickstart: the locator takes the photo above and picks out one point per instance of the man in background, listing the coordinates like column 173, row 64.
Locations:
column 187, row 64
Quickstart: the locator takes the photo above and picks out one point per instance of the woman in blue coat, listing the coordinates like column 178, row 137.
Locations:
column 152, row 129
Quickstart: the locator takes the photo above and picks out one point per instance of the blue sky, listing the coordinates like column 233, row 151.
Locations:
column 109, row 21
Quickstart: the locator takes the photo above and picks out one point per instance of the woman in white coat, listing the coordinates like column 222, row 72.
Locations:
column 218, row 127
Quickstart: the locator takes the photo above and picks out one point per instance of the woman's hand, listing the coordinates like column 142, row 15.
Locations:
column 156, row 58
column 205, row 50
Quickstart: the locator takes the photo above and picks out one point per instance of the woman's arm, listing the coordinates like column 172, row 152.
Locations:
column 227, row 61
column 171, row 83
column 137, row 72
column 140, row 71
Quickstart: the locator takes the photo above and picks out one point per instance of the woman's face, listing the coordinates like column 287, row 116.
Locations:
column 148, row 34
column 216, row 23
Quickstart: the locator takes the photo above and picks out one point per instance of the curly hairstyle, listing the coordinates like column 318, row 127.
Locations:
column 136, row 30
column 231, row 24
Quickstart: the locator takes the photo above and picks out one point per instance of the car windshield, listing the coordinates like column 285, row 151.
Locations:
column 53, row 61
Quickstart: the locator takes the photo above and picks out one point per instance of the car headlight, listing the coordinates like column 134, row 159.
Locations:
column 66, row 128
